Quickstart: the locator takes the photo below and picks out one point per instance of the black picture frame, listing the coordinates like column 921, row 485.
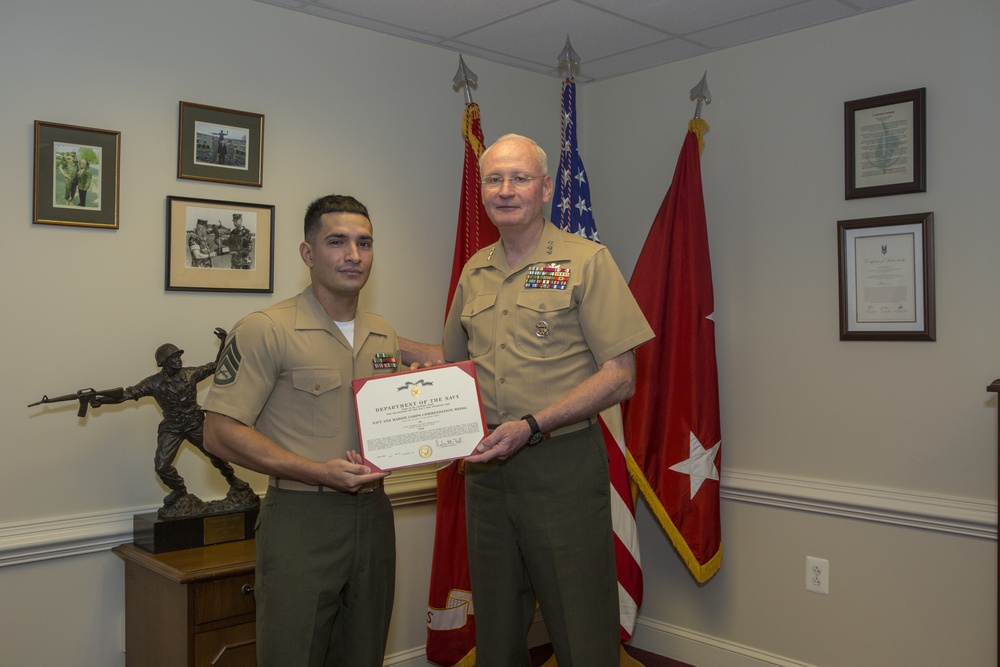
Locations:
column 886, row 284
column 218, row 268
column 68, row 152
column 885, row 145
column 220, row 145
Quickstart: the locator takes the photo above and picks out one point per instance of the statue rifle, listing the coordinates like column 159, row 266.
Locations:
column 87, row 397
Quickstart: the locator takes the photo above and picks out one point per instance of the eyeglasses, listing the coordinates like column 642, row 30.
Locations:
column 519, row 181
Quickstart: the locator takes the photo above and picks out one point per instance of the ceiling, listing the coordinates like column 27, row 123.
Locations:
column 612, row 37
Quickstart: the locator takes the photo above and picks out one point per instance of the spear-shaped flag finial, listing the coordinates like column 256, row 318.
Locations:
column 701, row 94
column 568, row 58
column 465, row 78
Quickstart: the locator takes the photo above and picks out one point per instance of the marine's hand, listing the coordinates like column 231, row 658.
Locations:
column 349, row 474
column 501, row 443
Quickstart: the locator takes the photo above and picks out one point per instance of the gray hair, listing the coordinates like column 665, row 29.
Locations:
column 543, row 160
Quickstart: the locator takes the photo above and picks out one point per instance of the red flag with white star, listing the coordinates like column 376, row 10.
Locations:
column 672, row 421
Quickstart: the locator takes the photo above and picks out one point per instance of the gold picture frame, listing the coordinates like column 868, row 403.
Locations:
column 77, row 172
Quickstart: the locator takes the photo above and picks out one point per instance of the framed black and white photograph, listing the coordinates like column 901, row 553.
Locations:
column 220, row 145
column 887, row 278
column 76, row 175
column 885, row 141
column 219, row 246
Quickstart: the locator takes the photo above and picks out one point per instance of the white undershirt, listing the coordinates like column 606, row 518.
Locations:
column 347, row 328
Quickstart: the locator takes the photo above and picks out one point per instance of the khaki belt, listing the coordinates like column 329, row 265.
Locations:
column 562, row 430
column 293, row 485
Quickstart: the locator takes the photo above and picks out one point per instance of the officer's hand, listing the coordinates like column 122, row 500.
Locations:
column 501, row 443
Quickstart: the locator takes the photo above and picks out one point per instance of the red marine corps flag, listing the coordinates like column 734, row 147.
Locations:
column 672, row 421
column 451, row 625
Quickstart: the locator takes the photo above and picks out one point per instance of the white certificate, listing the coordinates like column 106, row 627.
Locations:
column 885, row 278
column 417, row 417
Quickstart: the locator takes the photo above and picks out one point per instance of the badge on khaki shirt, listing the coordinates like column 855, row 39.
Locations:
column 552, row 276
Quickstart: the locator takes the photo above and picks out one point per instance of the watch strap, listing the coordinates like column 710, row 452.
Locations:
column 536, row 432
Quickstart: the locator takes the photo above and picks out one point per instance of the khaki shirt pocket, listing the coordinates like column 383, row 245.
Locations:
column 478, row 319
column 545, row 322
column 318, row 404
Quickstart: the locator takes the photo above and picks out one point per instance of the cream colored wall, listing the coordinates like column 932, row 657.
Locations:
column 346, row 110
column 895, row 424
column 884, row 423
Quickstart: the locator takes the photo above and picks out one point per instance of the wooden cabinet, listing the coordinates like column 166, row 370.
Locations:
column 190, row 608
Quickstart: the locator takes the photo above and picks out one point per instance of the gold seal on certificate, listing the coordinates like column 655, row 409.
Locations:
column 417, row 417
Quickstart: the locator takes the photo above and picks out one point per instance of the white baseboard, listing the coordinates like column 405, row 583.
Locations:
column 695, row 648
column 415, row 657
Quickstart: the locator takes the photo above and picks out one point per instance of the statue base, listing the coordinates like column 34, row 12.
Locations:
column 152, row 533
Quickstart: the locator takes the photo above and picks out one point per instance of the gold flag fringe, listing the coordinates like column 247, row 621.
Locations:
column 702, row 572
column 700, row 128
column 472, row 115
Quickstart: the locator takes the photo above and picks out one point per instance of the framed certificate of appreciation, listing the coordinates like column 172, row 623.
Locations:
column 418, row 417
column 887, row 278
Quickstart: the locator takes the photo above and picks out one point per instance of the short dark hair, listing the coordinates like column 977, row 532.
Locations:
column 331, row 204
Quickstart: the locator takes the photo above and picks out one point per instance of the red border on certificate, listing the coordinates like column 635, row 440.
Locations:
column 413, row 418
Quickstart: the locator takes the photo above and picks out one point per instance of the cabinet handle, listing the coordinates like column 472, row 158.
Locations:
column 247, row 589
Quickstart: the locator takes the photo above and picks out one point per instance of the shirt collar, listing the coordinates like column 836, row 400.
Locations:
column 551, row 248
column 311, row 315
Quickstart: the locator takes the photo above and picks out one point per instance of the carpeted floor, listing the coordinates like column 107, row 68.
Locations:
column 540, row 654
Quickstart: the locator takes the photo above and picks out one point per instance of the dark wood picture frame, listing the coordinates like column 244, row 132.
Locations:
column 886, row 282
column 220, row 145
column 67, row 156
column 205, row 227
column 885, row 145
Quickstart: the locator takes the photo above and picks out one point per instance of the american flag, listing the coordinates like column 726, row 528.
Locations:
column 571, row 211
column 571, row 202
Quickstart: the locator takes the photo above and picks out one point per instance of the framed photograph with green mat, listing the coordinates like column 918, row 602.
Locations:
column 76, row 175
column 220, row 145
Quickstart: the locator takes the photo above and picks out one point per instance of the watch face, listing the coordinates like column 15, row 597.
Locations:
column 536, row 438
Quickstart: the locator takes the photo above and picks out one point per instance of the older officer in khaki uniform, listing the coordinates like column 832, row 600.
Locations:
column 325, row 537
column 551, row 325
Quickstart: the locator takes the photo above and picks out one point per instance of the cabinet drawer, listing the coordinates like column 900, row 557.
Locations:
column 223, row 598
column 226, row 647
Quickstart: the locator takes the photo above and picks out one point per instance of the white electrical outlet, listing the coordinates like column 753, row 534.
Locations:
column 817, row 575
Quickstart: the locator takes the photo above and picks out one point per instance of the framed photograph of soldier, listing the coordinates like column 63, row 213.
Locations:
column 76, row 175
column 220, row 145
column 219, row 246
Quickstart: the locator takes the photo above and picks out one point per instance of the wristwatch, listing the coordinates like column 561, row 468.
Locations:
column 536, row 433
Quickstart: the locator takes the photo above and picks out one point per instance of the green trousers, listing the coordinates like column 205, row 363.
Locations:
column 539, row 526
column 325, row 578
